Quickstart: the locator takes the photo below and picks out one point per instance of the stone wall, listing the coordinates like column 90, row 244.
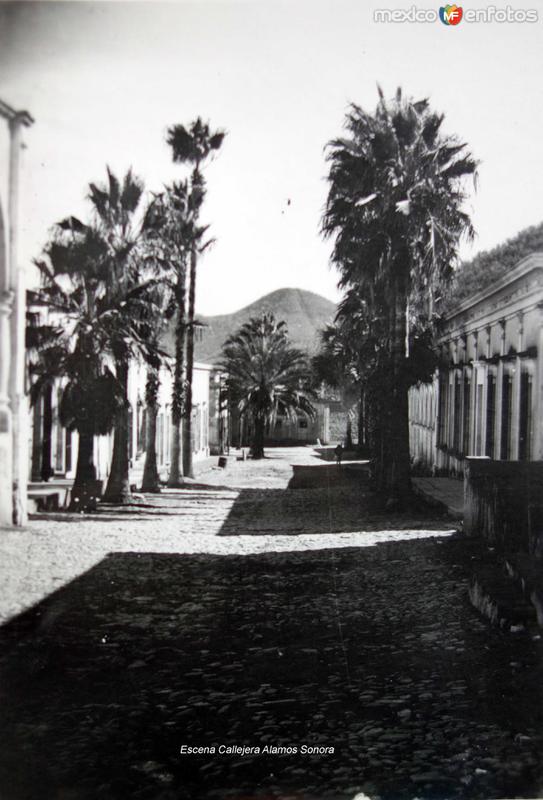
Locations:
column 503, row 502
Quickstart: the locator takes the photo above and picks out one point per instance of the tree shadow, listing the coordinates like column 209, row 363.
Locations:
column 107, row 678
column 343, row 506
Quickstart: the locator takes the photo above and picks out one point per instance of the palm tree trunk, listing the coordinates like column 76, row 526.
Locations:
column 257, row 450
column 175, row 477
column 47, row 439
column 118, row 485
column 151, row 478
column 398, row 480
column 83, row 495
column 85, row 469
column 187, row 416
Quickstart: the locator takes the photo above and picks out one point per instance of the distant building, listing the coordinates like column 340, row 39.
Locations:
column 301, row 429
column 13, row 403
column 486, row 399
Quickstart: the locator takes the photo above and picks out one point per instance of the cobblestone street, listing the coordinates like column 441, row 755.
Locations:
column 240, row 612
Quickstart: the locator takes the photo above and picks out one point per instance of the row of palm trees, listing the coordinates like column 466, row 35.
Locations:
column 110, row 286
column 395, row 212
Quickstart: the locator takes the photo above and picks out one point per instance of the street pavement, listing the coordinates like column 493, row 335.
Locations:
column 240, row 613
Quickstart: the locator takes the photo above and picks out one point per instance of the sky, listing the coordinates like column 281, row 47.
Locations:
column 104, row 80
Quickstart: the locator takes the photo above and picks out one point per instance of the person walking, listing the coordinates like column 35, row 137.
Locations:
column 339, row 454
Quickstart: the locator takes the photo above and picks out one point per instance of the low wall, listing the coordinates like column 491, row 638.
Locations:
column 310, row 476
column 503, row 502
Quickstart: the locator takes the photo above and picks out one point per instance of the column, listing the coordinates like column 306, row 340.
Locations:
column 6, row 450
column 18, row 400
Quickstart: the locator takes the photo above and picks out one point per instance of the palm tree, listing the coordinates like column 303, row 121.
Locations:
column 170, row 231
column 70, row 347
column 266, row 375
column 192, row 145
column 163, row 301
column 395, row 210
column 115, row 205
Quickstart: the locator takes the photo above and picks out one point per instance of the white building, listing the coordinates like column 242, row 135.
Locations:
column 64, row 444
column 487, row 396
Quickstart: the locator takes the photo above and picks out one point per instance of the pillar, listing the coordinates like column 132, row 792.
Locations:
column 14, row 424
column 18, row 399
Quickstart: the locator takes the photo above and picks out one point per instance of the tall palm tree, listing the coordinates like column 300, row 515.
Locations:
column 395, row 210
column 193, row 145
column 266, row 375
column 171, row 230
column 161, row 310
column 116, row 204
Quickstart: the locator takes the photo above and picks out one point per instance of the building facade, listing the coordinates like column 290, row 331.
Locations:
column 486, row 399
column 13, row 402
column 61, row 453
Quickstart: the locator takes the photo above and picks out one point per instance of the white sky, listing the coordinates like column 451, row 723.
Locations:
column 104, row 80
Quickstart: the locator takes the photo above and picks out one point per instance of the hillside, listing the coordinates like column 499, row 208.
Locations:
column 304, row 312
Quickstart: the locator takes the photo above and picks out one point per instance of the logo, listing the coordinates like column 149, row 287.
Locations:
column 450, row 15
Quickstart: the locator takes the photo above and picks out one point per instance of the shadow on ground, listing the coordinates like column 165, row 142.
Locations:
column 345, row 507
column 372, row 651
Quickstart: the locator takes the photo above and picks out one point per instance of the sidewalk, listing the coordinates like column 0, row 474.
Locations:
column 446, row 492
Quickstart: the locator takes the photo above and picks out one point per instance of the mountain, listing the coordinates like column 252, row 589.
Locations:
column 304, row 312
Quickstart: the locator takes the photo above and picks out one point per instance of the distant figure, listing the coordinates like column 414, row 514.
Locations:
column 339, row 454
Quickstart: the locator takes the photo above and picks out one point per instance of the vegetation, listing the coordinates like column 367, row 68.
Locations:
column 125, row 285
column 170, row 234
column 74, row 345
column 266, row 376
column 489, row 266
column 100, row 303
column 193, row 145
column 109, row 287
column 395, row 212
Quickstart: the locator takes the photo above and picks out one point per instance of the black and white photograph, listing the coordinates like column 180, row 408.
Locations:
column 271, row 400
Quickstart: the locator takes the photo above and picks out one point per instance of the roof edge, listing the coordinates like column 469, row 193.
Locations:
column 528, row 264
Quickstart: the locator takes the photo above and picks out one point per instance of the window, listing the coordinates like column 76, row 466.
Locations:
column 457, row 418
column 58, row 435
column 68, row 452
column 160, row 438
column 525, row 429
column 507, row 410
column 479, row 420
column 302, row 423
column 443, row 408
column 467, row 410
column 490, row 415
column 131, row 453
